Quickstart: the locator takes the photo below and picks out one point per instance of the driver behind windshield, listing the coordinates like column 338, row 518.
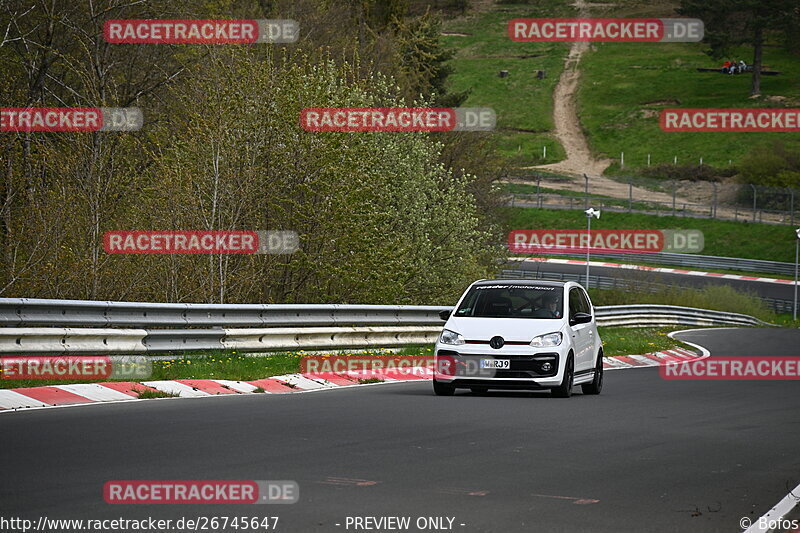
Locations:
column 551, row 308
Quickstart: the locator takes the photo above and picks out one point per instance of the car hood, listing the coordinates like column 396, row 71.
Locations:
column 511, row 329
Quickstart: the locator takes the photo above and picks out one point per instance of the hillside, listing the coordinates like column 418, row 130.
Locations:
column 621, row 90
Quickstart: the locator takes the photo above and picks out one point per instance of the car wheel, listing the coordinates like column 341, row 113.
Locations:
column 479, row 390
column 597, row 383
column 565, row 389
column 443, row 389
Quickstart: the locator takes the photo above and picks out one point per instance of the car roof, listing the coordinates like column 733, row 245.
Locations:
column 536, row 282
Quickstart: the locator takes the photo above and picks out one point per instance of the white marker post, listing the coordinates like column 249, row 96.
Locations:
column 591, row 212
column 796, row 250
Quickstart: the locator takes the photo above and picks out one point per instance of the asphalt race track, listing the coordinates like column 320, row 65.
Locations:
column 645, row 455
column 762, row 289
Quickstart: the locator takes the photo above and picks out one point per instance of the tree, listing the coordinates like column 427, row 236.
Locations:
column 731, row 23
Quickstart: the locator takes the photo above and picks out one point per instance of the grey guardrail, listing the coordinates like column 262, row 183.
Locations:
column 666, row 315
column 414, row 325
column 704, row 262
column 36, row 341
column 35, row 312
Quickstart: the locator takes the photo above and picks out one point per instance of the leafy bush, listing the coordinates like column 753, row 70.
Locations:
column 776, row 164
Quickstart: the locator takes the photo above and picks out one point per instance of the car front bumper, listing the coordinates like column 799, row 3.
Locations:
column 528, row 367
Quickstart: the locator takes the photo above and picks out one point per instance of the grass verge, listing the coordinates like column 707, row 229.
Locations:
column 637, row 341
column 231, row 365
column 149, row 394
column 722, row 237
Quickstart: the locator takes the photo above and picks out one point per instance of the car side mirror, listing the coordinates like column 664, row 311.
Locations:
column 444, row 315
column 580, row 318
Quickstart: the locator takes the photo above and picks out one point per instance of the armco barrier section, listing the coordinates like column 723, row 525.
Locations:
column 667, row 315
column 31, row 312
column 703, row 262
column 365, row 325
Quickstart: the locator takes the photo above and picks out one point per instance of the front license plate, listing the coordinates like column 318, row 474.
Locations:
column 495, row 363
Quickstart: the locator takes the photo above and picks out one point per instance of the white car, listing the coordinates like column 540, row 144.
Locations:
column 520, row 334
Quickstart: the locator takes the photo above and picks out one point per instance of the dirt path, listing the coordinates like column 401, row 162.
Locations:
column 565, row 114
column 579, row 159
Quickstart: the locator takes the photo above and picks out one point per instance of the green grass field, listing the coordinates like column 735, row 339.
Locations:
column 623, row 87
column 636, row 341
column 722, row 238
column 523, row 103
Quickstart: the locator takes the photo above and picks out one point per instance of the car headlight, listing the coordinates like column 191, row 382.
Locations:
column 549, row 339
column 451, row 337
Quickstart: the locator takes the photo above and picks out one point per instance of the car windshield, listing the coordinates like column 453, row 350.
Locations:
column 512, row 301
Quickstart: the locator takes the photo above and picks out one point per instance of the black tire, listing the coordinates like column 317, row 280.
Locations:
column 565, row 389
column 479, row 390
column 443, row 389
column 596, row 384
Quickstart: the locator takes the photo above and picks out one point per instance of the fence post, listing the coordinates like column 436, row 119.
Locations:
column 512, row 199
column 791, row 205
column 754, row 201
column 648, row 160
column 586, row 192
column 539, row 191
column 714, row 206
column 622, row 160
column 630, row 194
column 674, row 193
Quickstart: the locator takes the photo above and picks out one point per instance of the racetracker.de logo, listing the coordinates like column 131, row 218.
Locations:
column 70, row 119
column 606, row 240
column 402, row 365
column 192, row 31
column 598, row 30
column 734, row 368
column 200, row 492
column 397, row 119
column 76, row 367
column 201, row 242
column 733, row 120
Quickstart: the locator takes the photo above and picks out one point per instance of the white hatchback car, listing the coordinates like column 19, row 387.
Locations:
column 520, row 334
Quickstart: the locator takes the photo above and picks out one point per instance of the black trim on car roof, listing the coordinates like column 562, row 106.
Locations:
column 520, row 282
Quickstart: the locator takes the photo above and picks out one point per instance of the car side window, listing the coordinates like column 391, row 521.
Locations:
column 574, row 302
column 585, row 305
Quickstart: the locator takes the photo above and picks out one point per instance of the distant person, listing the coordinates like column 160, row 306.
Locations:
column 742, row 66
column 726, row 66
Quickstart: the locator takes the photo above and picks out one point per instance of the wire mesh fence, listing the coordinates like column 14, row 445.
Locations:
column 697, row 199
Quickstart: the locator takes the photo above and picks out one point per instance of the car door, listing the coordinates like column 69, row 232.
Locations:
column 581, row 337
column 591, row 329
